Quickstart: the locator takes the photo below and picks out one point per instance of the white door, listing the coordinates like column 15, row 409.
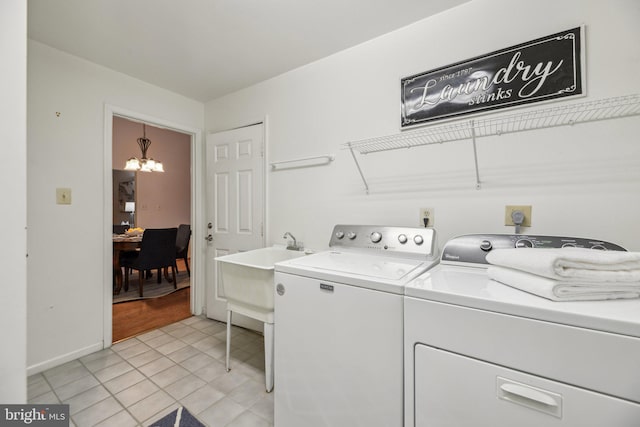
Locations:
column 235, row 205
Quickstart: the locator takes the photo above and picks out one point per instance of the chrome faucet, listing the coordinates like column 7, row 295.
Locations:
column 292, row 245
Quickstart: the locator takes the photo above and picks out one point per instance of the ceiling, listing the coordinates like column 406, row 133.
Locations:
column 204, row 49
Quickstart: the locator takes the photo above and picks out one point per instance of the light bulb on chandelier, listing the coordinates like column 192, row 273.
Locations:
column 143, row 164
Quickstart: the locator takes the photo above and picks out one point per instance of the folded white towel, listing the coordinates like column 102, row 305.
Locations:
column 571, row 264
column 559, row 290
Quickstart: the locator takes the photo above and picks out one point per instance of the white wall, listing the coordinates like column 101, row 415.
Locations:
column 66, row 292
column 581, row 181
column 13, row 173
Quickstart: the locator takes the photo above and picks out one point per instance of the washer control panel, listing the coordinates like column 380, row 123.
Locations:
column 473, row 248
column 401, row 241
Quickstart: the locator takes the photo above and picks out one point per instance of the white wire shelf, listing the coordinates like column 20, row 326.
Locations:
column 563, row 115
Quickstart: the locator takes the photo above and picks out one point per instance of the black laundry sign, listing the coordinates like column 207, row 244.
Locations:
column 539, row 70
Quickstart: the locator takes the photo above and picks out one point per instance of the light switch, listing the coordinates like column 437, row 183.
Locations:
column 63, row 196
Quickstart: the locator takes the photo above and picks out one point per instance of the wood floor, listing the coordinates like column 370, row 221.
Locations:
column 136, row 317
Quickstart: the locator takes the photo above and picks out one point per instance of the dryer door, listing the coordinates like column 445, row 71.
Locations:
column 454, row 390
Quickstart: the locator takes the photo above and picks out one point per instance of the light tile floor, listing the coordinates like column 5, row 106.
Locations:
column 139, row 380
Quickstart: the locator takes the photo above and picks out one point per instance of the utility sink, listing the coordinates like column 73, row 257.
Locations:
column 247, row 279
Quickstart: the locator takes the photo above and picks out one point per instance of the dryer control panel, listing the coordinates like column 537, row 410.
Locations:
column 473, row 248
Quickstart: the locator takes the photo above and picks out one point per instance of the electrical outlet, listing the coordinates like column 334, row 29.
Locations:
column 63, row 196
column 426, row 213
column 526, row 210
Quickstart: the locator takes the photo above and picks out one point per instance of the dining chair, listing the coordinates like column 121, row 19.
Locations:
column 182, row 245
column 157, row 251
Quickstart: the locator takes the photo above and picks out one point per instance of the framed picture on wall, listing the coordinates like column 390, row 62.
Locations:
column 126, row 193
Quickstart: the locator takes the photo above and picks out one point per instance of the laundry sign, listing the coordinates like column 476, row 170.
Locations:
column 544, row 69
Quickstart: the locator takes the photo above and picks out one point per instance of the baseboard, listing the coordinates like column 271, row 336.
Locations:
column 60, row 360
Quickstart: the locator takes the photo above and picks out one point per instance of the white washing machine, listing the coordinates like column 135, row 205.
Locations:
column 480, row 353
column 338, row 327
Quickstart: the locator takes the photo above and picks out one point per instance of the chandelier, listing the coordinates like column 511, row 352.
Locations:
column 143, row 164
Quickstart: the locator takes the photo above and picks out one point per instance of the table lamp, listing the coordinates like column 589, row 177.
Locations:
column 131, row 208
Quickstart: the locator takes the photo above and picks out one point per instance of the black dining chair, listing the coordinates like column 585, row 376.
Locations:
column 157, row 251
column 182, row 245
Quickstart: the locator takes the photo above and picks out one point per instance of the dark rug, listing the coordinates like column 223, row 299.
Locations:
column 178, row 418
column 152, row 289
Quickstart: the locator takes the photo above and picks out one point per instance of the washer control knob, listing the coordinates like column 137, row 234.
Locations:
column 418, row 240
column 599, row 247
column 486, row 245
column 524, row 243
column 402, row 238
column 568, row 245
column 376, row 237
column 339, row 234
column 351, row 235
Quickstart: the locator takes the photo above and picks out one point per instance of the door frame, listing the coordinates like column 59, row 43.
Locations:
column 197, row 210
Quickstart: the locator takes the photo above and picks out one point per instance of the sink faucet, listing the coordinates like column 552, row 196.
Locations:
column 292, row 245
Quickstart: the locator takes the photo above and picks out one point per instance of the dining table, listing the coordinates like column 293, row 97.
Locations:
column 122, row 243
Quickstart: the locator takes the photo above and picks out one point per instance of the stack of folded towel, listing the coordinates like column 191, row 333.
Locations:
column 568, row 274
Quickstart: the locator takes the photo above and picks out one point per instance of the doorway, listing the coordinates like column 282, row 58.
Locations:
column 144, row 200
column 151, row 212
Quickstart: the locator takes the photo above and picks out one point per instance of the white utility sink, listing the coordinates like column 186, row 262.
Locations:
column 247, row 281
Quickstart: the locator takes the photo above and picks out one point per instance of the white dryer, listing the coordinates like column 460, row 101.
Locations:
column 338, row 327
column 480, row 353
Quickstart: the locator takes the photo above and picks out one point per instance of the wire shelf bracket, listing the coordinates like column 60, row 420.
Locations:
column 564, row 115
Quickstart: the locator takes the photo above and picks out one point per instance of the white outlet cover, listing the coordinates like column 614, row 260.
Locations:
column 429, row 213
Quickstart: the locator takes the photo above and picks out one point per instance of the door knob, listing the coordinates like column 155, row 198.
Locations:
column 209, row 238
